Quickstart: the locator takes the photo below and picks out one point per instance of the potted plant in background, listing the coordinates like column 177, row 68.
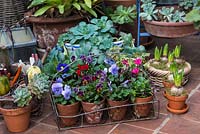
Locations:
column 170, row 20
column 177, row 95
column 51, row 18
column 16, row 113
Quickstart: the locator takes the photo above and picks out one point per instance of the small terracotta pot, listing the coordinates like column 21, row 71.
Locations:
column 176, row 102
column 117, row 114
column 17, row 120
column 69, row 110
column 143, row 110
column 95, row 117
column 167, row 84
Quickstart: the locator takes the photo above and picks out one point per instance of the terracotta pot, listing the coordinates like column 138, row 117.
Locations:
column 47, row 30
column 167, row 84
column 117, row 114
column 176, row 102
column 169, row 29
column 143, row 110
column 115, row 3
column 17, row 120
column 69, row 110
column 95, row 117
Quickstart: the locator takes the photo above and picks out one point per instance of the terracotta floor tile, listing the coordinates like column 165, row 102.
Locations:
column 191, row 85
column 150, row 124
column 94, row 130
column 127, row 129
column 177, row 125
column 50, row 120
column 43, row 129
column 193, row 113
column 195, row 74
column 195, row 98
column 46, row 111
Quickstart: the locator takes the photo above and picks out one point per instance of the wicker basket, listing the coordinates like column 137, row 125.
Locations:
column 11, row 11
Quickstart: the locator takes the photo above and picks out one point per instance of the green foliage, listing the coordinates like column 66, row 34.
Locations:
column 157, row 53
column 94, row 37
column 194, row 15
column 39, row 85
column 140, row 87
column 178, row 16
column 118, row 94
column 22, row 96
column 167, row 13
column 173, row 67
column 177, row 51
column 124, row 15
column 165, row 50
column 149, row 12
column 63, row 7
column 178, row 78
column 186, row 4
column 171, row 57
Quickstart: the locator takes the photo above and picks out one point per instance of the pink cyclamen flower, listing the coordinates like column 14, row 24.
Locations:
column 135, row 71
column 138, row 61
column 125, row 62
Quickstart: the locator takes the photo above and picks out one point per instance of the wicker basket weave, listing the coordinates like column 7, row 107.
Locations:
column 11, row 11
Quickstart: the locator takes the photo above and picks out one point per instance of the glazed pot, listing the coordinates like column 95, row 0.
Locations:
column 95, row 117
column 169, row 29
column 117, row 114
column 69, row 110
column 47, row 30
column 143, row 110
column 176, row 102
column 17, row 120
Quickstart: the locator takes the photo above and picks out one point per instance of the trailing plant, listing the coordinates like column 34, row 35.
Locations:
column 165, row 50
column 157, row 53
column 22, row 96
column 177, row 51
column 39, row 85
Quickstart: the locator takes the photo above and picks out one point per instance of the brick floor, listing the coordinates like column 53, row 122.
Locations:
column 188, row 123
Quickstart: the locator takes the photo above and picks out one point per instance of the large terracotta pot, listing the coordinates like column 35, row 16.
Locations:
column 117, row 114
column 176, row 102
column 95, row 117
column 69, row 110
column 17, row 120
column 169, row 29
column 114, row 3
column 143, row 110
column 47, row 30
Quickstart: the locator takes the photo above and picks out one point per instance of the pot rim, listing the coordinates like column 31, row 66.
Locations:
column 84, row 102
column 175, row 98
column 76, row 103
column 42, row 20
column 166, row 24
column 16, row 111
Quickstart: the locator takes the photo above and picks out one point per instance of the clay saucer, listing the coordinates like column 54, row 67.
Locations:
column 185, row 109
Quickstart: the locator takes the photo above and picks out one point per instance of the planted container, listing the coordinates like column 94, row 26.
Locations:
column 143, row 110
column 94, row 117
column 117, row 114
column 69, row 110
column 17, row 120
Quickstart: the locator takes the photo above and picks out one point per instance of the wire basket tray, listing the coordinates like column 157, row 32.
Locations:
column 106, row 120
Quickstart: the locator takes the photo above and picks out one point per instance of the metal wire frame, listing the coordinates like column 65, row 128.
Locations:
column 130, row 117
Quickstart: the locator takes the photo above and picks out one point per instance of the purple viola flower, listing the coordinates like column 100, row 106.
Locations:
column 125, row 83
column 89, row 59
column 80, row 93
column 114, row 69
column 87, row 78
column 65, row 75
column 59, row 80
column 73, row 58
column 67, row 92
column 109, row 61
column 83, row 58
column 57, row 88
column 63, row 67
column 99, row 86
column 76, row 90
